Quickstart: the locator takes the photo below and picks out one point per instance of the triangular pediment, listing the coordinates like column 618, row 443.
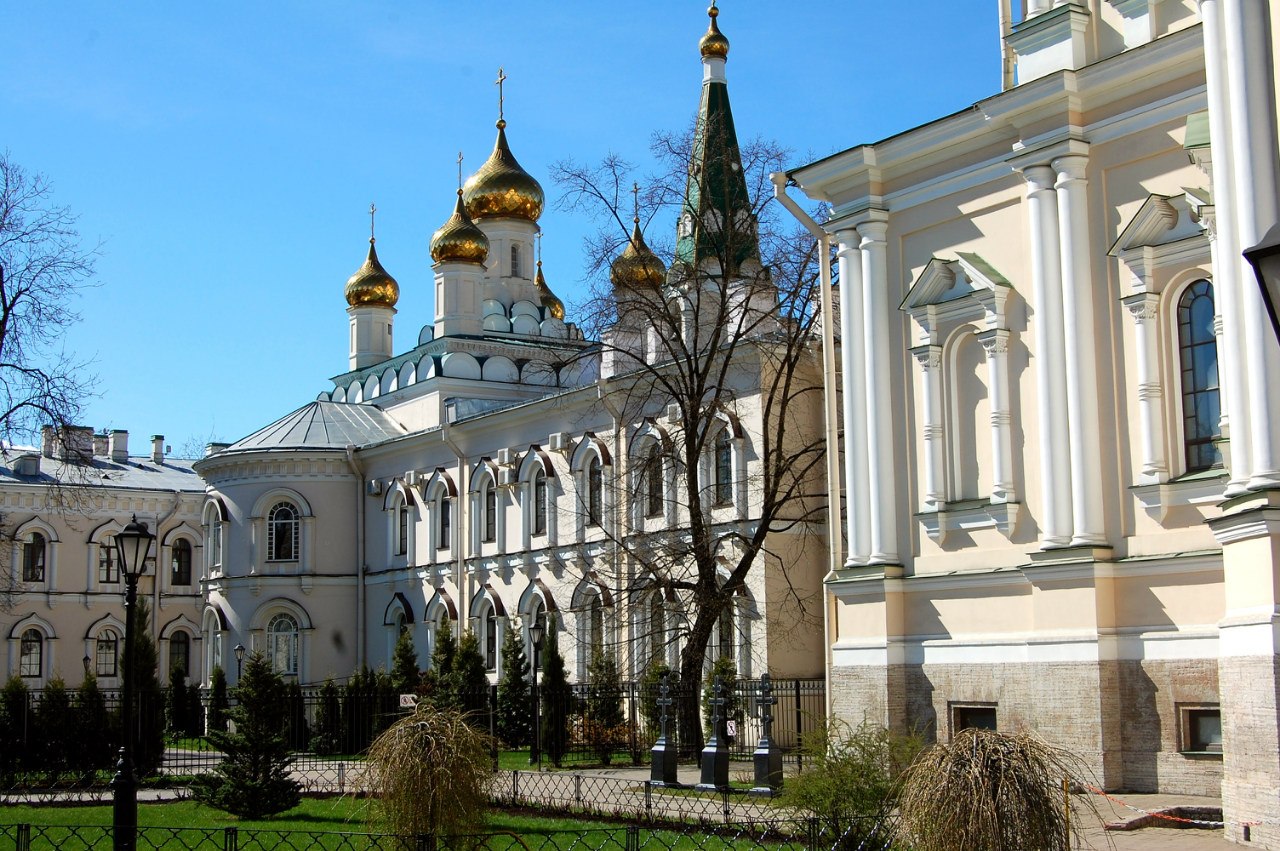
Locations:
column 1160, row 220
column 944, row 281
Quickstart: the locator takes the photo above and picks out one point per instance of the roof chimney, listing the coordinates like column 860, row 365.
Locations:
column 119, row 445
column 48, row 440
column 100, row 445
column 214, row 448
column 157, row 448
column 77, row 444
column 28, row 464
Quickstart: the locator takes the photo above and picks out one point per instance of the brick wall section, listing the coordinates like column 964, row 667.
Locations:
column 1120, row 718
column 1251, row 745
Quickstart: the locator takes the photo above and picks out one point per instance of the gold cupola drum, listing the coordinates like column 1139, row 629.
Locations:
column 459, row 240
column 371, row 285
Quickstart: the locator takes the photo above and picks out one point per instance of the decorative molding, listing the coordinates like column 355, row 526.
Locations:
column 1159, row 498
column 967, row 517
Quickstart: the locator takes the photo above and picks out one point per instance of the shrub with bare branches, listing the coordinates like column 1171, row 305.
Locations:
column 990, row 791
column 428, row 774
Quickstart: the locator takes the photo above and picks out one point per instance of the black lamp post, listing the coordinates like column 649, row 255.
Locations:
column 536, row 633
column 1265, row 259
column 133, row 546
column 239, row 651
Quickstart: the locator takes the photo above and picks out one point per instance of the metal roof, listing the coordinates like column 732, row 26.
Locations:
column 323, row 425
column 139, row 473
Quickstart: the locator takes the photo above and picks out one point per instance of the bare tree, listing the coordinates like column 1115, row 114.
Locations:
column 42, row 268
column 719, row 338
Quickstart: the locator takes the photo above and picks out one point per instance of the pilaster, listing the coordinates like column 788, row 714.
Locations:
column 878, row 318
column 1144, row 308
column 995, row 343
column 930, row 359
column 853, row 367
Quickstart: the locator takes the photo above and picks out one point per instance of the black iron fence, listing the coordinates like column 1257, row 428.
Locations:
column 802, row 835
column 54, row 741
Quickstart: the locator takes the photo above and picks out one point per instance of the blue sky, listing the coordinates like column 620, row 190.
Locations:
column 226, row 154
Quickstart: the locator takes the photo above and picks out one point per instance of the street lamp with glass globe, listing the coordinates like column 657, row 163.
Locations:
column 239, row 651
column 133, row 548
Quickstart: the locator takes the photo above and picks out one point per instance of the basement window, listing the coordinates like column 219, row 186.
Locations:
column 1201, row 729
column 965, row 716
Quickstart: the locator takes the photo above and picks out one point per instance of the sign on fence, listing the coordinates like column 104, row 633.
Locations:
column 408, row 701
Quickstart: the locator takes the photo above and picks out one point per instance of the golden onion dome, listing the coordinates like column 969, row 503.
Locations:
column 459, row 240
column 554, row 306
column 638, row 268
column 501, row 187
column 371, row 286
column 714, row 43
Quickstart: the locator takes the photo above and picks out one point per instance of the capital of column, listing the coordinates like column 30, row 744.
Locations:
column 873, row 230
column 1143, row 307
column 847, row 241
column 994, row 342
column 1040, row 178
column 1070, row 167
column 929, row 356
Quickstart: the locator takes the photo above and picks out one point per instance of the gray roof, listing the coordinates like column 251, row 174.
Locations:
column 323, row 425
column 139, row 473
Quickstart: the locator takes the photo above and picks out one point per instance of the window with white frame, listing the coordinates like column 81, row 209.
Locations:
column 722, row 473
column 488, row 510
column 402, row 527
column 651, row 481
column 31, row 654
column 34, row 550
column 108, row 568
column 107, row 653
column 282, row 532
column 282, row 644
column 539, row 486
column 595, row 491
column 444, row 521
column 213, row 542
column 1198, row 363
column 488, row 619
column 179, row 653
column 180, row 562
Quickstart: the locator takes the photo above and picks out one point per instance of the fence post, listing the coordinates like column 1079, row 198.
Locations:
column 648, row 799
column 426, row 842
column 230, row 840
column 633, row 838
column 635, row 738
column 577, row 789
column 342, row 777
column 515, row 785
column 24, row 837
column 799, row 729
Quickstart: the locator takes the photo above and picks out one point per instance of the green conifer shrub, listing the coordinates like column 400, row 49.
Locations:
column 253, row 779
column 54, row 726
column 15, row 727
column 405, row 676
column 219, row 705
column 148, row 695
column 97, row 740
column 605, row 725
column 328, row 737
column 514, row 699
column 554, row 695
column 472, row 681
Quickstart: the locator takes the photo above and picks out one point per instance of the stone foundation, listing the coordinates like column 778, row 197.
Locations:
column 1251, row 742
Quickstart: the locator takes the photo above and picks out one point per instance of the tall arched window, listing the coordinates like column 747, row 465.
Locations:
column 31, row 654
column 1198, row 358
column 595, row 491
column 282, row 644
column 657, row 628
column 213, row 541
column 180, row 562
column 724, row 632
column 723, row 468
column 444, row 522
column 108, row 569
column 489, row 506
column 107, row 653
column 539, row 501
column 652, row 482
column 515, row 261
column 179, row 653
column 402, row 528
column 282, row 532
column 33, row 555
column 595, row 624
column 489, row 635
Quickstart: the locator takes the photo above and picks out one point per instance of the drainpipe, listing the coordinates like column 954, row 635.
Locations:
column 462, row 517
column 360, row 554
column 830, row 389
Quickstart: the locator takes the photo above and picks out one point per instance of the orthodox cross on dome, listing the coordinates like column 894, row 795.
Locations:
column 498, row 82
column 538, row 238
column 635, row 201
column 372, row 209
column 459, row 171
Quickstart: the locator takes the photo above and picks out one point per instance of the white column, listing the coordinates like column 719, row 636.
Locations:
column 996, row 345
column 1251, row 96
column 1089, row 526
column 883, row 468
column 853, row 367
column 1046, row 282
column 1143, row 308
column 934, row 496
column 1226, row 248
column 1035, row 7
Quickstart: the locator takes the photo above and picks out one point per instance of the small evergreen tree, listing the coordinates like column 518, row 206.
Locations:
column 54, row 727
column 472, row 681
column 15, row 727
column 95, row 737
column 195, row 712
column 514, row 723
column 554, row 698
column 299, row 735
column 405, row 676
column 605, row 724
column 327, row 738
column 149, row 706
column 179, row 710
column 219, row 705
column 357, row 711
column 440, row 685
column 253, row 781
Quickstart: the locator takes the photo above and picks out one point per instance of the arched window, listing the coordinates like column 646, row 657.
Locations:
column 31, row 654
column 444, row 522
column 1198, row 357
column 657, row 627
column 282, row 644
column 33, row 554
column 282, row 532
column 108, row 569
column 180, row 562
column 539, row 501
column 213, row 542
column 179, row 653
column 595, row 624
column 402, row 527
column 515, row 261
column 723, row 468
column 595, row 492
column 489, row 506
column 652, row 472
column 106, row 654
column 489, row 635
column 400, row 624
column 724, row 632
